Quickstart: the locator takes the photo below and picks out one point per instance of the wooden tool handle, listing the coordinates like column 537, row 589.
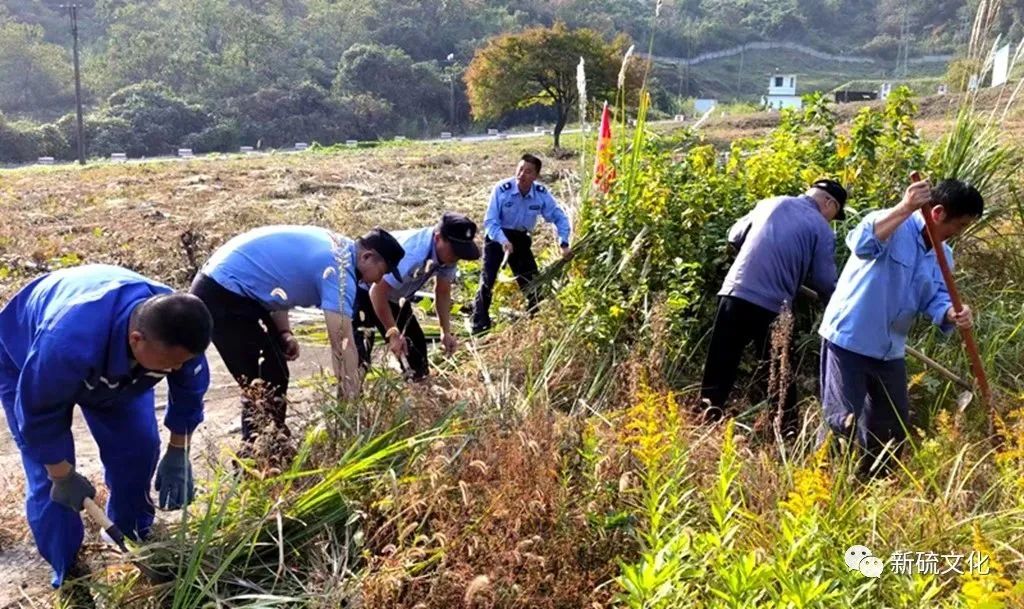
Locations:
column 97, row 514
column 954, row 296
column 939, row 368
column 940, row 253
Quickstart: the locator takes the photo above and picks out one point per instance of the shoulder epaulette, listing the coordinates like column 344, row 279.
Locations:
column 507, row 185
column 540, row 188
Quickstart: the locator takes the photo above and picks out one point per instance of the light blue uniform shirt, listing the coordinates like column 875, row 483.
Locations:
column 64, row 341
column 509, row 209
column 419, row 264
column 283, row 267
column 782, row 242
column 883, row 287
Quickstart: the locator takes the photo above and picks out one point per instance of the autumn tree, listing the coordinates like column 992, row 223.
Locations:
column 538, row 66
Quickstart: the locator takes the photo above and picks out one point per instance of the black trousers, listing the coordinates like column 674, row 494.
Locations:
column 737, row 324
column 523, row 265
column 406, row 321
column 249, row 343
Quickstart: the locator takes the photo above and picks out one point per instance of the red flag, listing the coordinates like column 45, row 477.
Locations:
column 604, row 172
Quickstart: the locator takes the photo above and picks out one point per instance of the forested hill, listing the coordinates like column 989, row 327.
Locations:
column 372, row 68
column 430, row 29
column 224, row 48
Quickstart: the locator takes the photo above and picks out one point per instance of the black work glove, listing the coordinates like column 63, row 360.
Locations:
column 174, row 479
column 72, row 490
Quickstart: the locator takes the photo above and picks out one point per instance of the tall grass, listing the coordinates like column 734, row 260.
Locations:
column 263, row 538
column 556, row 462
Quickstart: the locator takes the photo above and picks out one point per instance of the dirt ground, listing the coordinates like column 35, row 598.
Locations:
column 24, row 577
column 136, row 215
column 934, row 115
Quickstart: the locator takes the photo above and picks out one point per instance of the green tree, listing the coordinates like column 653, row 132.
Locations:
column 158, row 119
column 208, row 48
column 431, row 30
column 329, row 29
column 34, row 74
column 307, row 113
column 538, row 66
column 414, row 90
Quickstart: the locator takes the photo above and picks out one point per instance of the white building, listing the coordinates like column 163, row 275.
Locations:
column 782, row 93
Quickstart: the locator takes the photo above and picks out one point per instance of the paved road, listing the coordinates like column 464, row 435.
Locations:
column 471, row 139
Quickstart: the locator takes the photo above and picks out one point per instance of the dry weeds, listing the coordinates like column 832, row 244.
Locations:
column 489, row 521
column 163, row 219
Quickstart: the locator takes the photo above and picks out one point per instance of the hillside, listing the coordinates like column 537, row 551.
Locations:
column 213, row 50
column 745, row 76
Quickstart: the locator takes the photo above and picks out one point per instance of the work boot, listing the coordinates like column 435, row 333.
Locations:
column 74, row 593
column 789, row 423
column 708, row 413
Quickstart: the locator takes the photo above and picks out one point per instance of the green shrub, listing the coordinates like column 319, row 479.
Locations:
column 159, row 120
column 19, row 142
column 660, row 233
column 221, row 137
column 52, row 142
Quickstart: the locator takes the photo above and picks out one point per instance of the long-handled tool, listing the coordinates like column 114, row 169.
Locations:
column 965, row 397
column 954, row 295
column 97, row 514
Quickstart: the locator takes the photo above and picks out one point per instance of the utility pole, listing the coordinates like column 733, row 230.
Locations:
column 451, row 85
column 739, row 75
column 689, row 57
column 903, row 50
column 73, row 13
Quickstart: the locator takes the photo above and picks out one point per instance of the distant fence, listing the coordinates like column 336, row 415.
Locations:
column 792, row 46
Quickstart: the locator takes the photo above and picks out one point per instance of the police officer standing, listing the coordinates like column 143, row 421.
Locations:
column 511, row 216
column 891, row 277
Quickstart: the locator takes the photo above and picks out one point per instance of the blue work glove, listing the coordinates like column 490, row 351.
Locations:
column 174, row 479
column 71, row 490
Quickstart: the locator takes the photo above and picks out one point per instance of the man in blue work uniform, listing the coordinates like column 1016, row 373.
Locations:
column 511, row 216
column 782, row 243
column 101, row 337
column 891, row 277
column 433, row 251
column 250, row 283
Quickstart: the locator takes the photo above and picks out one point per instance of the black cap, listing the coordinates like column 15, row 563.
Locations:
column 460, row 231
column 386, row 246
column 837, row 192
